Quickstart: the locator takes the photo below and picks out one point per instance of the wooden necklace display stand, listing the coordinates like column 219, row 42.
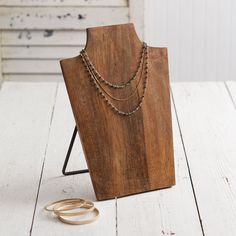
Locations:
column 125, row 154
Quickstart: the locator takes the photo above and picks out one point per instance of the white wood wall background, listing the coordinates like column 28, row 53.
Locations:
column 200, row 35
column 36, row 34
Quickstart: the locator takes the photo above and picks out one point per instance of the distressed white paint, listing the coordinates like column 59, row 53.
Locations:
column 43, row 37
column 1, row 77
column 231, row 86
column 200, row 35
column 14, row 66
column 232, row 67
column 33, row 77
column 101, row 3
column 60, row 17
column 206, row 116
column 207, row 119
column 36, row 34
column 38, row 52
column 25, row 114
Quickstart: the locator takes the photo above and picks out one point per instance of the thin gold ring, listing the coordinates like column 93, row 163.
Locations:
column 80, row 222
column 62, row 202
column 87, row 204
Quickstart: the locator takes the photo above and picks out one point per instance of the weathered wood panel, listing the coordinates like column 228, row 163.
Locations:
column 207, row 118
column 60, row 17
column 231, row 87
column 25, row 114
column 45, row 52
column 136, row 15
column 33, row 77
column 1, row 76
column 43, row 37
column 200, row 35
column 26, row 42
column 93, row 3
column 117, row 140
column 31, row 66
column 232, row 59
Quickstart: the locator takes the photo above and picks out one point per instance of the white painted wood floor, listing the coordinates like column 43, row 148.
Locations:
column 36, row 124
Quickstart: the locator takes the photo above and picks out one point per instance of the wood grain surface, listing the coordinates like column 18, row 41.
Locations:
column 125, row 155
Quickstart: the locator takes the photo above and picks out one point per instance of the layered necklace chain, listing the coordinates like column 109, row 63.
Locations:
column 99, row 82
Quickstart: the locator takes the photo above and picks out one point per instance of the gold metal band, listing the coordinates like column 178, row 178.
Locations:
column 61, row 211
column 63, row 202
column 60, row 208
column 80, row 222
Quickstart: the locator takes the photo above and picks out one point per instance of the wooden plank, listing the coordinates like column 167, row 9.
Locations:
column 203, row 32
column 31, row 67
column 231, row 88
column 173, row 37
column 33, row 77
column 26, row 110
column 198, row 41
column 43, row 37
column 136, row 14
column 211, row 39
column 185, row 40
column 156, row 34
column 54, row 186
column 116, row 138
column 158, row 212
column 224, row 39
column 207, row 119
column 38, row 52
column 71, row 3
column 1, row 77
column 60, row 18
column 232, row 56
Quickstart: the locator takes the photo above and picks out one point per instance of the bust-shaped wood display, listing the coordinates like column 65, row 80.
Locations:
column 125, row 154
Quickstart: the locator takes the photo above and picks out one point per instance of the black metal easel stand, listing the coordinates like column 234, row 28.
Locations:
column 64, row 172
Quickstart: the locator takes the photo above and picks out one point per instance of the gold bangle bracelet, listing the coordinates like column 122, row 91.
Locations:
column 60, row 208
column 62, row 202
column 89, row 206
column 80, row 222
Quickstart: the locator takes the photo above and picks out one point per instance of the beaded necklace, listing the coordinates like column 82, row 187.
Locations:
column 97, row 80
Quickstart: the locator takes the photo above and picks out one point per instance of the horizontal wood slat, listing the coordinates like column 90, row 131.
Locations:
column 36, row 34
column 26, row 111
column 43, row 37
column 24, row 52
column 60, row 17
column 29, row 3
column 33, row 77
column 31, row 66
column 1, row 78
column 207, row 120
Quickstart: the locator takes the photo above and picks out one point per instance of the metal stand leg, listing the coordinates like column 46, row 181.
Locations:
column 64, row 172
